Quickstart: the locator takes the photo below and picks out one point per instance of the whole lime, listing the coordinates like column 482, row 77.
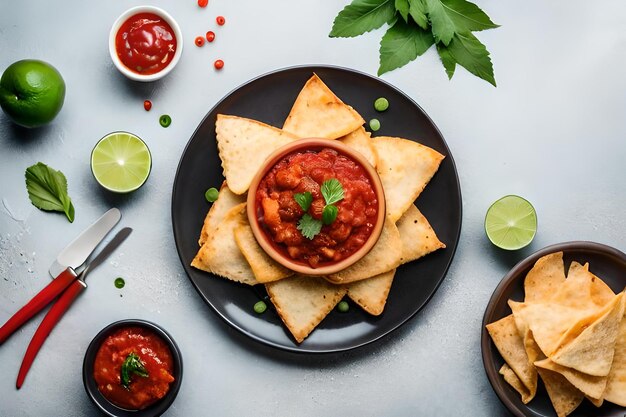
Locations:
column 31, row 92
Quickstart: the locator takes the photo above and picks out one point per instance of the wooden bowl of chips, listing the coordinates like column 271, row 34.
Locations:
column 328, row 239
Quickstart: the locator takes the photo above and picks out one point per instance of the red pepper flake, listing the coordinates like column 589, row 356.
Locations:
column 199, row 41
column 220, row 20
column 203, row 3
column 219, row 64
column 210, row 36
column 147, row 104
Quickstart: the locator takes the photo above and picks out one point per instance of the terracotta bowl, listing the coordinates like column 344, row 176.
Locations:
column 264, row 238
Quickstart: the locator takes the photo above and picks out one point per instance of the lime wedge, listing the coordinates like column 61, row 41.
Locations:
column 511, row 223
column 121, row 162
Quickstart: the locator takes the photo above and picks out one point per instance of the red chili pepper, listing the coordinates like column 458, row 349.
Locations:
column 203, row 3
column 219, row 64
column 210, row 36
column 147, row 105
column 220, row 20
column 199, row 41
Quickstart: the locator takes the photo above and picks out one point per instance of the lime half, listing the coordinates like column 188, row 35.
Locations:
column 121, row 162
column 511, row 222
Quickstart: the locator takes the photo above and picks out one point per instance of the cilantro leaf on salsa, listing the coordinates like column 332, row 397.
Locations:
column 329, row 214
column 309, row 226
column 304, row 200
column 132, row 364
column 332, row 191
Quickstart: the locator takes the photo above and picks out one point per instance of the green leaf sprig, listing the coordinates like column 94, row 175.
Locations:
column 47, row 190
column 415, row 26
column 132, row 365
column 332, row 191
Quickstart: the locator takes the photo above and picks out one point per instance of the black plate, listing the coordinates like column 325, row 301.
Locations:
column 269, row 98
column 605, row 262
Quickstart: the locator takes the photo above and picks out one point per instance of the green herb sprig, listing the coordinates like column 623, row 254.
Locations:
column 415, row 26
column 332, row 191
column 132, row 365
column 47, row 190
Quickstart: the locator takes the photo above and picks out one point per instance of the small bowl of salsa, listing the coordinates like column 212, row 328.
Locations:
column 132, row 368
column 316, row 206
column 145, row 43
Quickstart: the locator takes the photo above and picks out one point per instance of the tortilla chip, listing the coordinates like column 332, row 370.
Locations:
column 371, row 294
column 576, row 290
column 544, row 278
column 361, row 141
column 220, row 254
column 599, row 293
column 616, row 386
column 405, row 167
column 383, row 257
column 265, row 269
column 243, row 145
column 226, row 200
column 591, row 386
column 418, row 237
column 513, row 380
column 589, row 346
column 564, row 396
column 319, row 113
column 598, row 403
column 302, row 302
column 511, row 346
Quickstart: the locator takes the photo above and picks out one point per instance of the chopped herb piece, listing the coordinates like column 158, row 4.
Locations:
column 332, row 191
column 304, row 200
column 132, row 365
column 329, row 214
column 309, row 226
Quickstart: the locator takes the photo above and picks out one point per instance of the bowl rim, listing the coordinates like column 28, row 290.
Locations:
column 107, row 407
column 263, row 239
column 118, row 23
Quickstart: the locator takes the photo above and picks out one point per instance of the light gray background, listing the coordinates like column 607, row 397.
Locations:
column 552, row 131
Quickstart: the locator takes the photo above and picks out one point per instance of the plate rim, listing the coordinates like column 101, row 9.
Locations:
column 453, row 247
column 510, row 278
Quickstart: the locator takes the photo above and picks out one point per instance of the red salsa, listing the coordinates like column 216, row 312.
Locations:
column 153, row 353
column 145, row 43
column 279, row 212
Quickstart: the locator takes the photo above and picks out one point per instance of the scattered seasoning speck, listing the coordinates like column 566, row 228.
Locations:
column 203, row 3
column 147, row 104
column 374, row 125
column 211, row 194
column 343, row 306
column 165, row 120
column 199, row 41
column 381, row 104
column 119, row 282
column 210, row 36
column 218, row 64
column 260, row 307
column 220, row 20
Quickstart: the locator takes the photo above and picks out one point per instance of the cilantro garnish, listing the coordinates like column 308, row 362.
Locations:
column 304, row 200
column 415, row 26
column 332, row 191
column 132, row 364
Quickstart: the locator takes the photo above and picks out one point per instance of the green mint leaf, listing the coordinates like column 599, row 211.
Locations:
column 329, row 214
column 47, row 190
column 402, row 44
column 448, row 17
column 332, row 191
column 362, row 16
column 304, row 200
column 309, row 226
column 417, row 10
column 447, row 60
column 402, row 6
column 132, row 365
column 471, row 54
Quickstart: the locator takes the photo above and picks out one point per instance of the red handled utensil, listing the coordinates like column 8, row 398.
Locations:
column 76, row 286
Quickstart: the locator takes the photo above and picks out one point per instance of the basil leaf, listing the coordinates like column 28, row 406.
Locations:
column 448, row 17
column 304, row 200
column 329, row 214
column 362, row 16
column 470, row 53
column 402, row 6
column 332, row 191
column 417, row 10
column 47, row 190
column 402, row 44
column 309, row 226
column 132, row 364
